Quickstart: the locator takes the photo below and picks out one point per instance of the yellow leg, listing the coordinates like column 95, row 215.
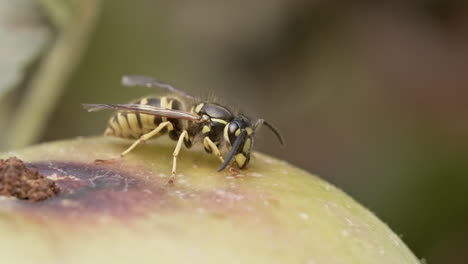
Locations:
column 176, row 154
column 207, row 142
column 147, row 136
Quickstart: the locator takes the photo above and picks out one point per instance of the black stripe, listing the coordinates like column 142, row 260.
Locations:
column 156, row 102
column 124, row 114
column 130, row 129
column 153, row 101
column 140, row 125
column 116, row 120
column 157, row 120
column 208, row 150
column 122, row 134
column 176, row 104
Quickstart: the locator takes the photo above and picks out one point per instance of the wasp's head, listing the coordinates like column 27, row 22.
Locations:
column 239, row 135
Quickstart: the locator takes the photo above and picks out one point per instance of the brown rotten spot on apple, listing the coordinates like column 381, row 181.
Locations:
column 23, row 183
column 91, row 193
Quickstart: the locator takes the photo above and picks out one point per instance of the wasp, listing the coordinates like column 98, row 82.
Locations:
column 187, row 120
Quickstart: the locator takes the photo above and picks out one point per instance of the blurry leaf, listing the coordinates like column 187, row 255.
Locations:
column 74, row 21
column 23, row 34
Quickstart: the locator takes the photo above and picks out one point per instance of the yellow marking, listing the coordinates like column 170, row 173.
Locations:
column 240, row 160
column 210, row 145
column 116, row 127
column 169, row 103
column 184, row 123
column 237, row 133
column 206, row 144
column 144, row 101
column 217, row 120
column 192, row 109
column 164, row 104
column 246, row 148
column 249, row 130
column 147, row 121
column 109, row 132
column 199, row 107
column 206, row 129
column 169, row 106
column 226, row 136
column 133, row 124
column 146, row 137
column 126, row 132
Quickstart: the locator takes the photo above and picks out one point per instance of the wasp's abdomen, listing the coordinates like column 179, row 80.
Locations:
column 134, row 125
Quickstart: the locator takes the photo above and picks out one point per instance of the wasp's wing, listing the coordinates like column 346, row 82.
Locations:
column 141, row 80
column 144, row 109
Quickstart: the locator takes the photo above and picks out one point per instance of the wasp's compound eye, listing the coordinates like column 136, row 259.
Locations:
column 232, row 128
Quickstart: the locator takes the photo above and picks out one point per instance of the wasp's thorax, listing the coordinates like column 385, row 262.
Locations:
column 214, row 118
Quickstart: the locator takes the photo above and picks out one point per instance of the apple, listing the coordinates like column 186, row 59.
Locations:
column 123, row 211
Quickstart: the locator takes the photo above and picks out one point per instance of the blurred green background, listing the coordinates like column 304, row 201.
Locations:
column 370, row 96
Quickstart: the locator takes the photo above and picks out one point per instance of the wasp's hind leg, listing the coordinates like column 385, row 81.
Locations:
column 147, row 136
column 183, row 135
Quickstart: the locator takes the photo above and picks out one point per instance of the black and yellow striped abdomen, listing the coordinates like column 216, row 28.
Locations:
column 134, row 125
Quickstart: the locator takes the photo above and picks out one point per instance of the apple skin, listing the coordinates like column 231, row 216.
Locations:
column 124, row 212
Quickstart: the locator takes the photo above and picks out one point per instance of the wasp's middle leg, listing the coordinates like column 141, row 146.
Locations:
column 147, row 136
column 183, row 135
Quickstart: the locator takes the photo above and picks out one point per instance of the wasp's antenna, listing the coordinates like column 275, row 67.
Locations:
column 141, row 80
column 261, row 122
column 234, row 149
